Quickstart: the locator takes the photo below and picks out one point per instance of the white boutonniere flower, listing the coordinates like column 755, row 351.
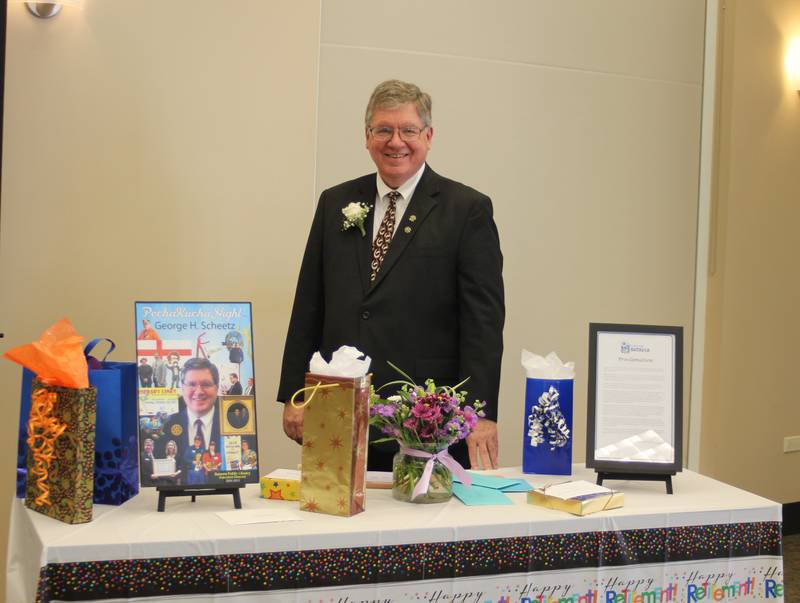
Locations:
column 354, row 215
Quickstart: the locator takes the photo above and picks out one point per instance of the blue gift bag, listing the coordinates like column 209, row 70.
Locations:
column 547, row 444
column 116, row 459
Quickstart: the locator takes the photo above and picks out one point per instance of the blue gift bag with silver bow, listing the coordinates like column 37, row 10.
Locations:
column 116, row 459
column 547, row 444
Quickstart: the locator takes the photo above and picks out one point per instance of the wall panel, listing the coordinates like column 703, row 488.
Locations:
column 155, row 150
column 582, row 124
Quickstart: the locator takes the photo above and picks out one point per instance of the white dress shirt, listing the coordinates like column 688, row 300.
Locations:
column 207, row 421
column 382, row 202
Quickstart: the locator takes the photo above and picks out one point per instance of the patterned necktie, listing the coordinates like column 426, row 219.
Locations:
column 198, row 434
column 381, row 244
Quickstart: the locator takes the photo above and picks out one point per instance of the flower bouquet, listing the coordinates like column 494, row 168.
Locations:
column 425, row 421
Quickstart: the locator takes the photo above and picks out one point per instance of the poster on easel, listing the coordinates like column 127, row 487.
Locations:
column 196, row 394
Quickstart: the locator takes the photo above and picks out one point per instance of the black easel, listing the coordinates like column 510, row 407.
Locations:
column 646, row 477
column 165, row 492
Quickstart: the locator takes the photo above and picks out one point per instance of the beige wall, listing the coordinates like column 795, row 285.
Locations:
column 751, row 354
column 155, row 150
column 142, row 137
column 581, row 121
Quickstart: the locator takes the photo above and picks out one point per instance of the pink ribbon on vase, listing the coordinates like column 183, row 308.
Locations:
column 443, row 456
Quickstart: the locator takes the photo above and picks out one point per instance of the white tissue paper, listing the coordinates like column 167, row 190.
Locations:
column 647, row 446
column 547, row 367
column 344, row 363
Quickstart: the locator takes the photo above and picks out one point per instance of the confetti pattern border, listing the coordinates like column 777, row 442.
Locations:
column 87, row 581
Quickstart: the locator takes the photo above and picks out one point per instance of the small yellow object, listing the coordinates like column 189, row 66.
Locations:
column 577, row 506
column 407, row 230
column 276, row 487
column 176, row 430
column 412, row 218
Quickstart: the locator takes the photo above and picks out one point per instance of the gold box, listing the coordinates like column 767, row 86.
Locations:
column 578, row 506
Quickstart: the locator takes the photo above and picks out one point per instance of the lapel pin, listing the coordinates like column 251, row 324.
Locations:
column 407, row 230
column 412, row 218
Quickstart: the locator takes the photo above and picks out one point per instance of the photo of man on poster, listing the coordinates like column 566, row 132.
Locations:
column 198, row 417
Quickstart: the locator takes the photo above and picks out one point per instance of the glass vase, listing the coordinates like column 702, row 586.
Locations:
column 407, row 471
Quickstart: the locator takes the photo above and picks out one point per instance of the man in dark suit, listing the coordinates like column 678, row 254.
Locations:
column 199, row 414
column 145, row 373
column 236, row 386
column 146, row 462
column 421, row 287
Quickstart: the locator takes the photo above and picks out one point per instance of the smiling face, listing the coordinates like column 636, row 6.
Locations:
column 397, row 160
column 199, row 390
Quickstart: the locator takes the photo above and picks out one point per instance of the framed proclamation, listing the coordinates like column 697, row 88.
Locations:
column 635, row 401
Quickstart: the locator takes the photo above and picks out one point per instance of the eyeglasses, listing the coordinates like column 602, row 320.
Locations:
column 200, row 384
column 406, row 133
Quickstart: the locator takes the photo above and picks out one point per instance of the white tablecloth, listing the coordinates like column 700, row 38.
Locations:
column 135, row 531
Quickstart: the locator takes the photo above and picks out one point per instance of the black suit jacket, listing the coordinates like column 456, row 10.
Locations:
column 436, row 308
column 180, row 420
column 146, row 469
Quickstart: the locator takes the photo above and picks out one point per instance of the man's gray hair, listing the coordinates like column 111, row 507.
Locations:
column 393, row 93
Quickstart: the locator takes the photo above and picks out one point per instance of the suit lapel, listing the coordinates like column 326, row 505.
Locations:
column 421, row 204
column 363, row 245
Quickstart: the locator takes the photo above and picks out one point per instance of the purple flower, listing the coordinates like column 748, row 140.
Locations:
column 390, row 430
column 427, row 412
column 450, row 404
column 410, row 423
column 427, row 431
column 470, row 417
column 383, row 410
column 453, row 425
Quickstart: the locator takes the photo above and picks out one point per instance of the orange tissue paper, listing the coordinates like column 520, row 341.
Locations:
column 56, row 357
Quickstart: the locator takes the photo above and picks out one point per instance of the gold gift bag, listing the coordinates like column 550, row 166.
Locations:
column 335, row 434
column 61, row 431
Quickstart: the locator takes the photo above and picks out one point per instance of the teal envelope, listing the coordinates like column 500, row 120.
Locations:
column 478, row 495
column 506, row 484
column 520, row 486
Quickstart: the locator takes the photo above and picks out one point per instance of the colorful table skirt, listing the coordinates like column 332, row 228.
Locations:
column 709, row 541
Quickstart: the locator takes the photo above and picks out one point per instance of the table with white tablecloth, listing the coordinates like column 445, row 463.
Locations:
column 708, row 541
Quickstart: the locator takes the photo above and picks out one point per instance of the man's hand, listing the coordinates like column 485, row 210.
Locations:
column 482, row 445
column 293, row 422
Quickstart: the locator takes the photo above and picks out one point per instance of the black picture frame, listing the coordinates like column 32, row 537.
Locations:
column 635, row 468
